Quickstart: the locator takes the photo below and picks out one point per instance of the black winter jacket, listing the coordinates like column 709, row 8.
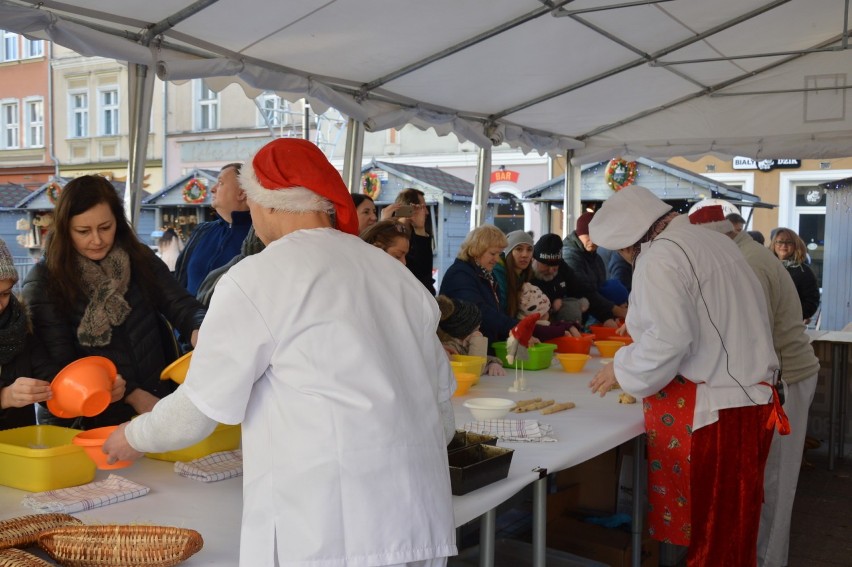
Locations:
column 806, row 285
column 589, row 273
column 20, row 366
column 141, row 346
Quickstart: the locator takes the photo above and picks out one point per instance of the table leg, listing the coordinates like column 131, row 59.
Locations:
column 638, row 496
column 487, row 530
column 843, row 387
column 539, row 532
column 833, row 398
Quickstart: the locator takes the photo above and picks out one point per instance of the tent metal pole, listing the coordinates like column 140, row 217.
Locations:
column 571, row 202
column 479, row 202
column 353, row 154
column 141, row 92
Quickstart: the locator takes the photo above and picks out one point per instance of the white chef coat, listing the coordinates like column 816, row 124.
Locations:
column 702, row 317
column 324, row 347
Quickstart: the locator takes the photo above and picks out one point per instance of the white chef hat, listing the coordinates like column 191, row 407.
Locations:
column 625, row 217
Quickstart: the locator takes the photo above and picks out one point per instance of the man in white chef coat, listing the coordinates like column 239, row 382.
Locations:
column 325, row 349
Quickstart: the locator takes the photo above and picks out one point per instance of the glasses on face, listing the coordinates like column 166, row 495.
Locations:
column 784, row 243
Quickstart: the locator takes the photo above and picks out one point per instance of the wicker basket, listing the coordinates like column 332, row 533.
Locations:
column 24, row 530
column 114, row 545
column 16, row 558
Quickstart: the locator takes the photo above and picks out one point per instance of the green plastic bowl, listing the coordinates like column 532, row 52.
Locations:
column 540, row 356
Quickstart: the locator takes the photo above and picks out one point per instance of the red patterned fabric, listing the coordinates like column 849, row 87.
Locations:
column 705, row 489
column 668, row 423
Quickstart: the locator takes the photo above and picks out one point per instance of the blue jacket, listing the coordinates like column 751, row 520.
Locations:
column 211, row 245
column 463, row 281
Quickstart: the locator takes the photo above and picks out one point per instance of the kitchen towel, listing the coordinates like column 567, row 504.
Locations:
column 86, row 496
column 528, row 430
column 213, row 467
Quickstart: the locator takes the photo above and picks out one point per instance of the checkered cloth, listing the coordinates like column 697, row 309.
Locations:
column 527, row 430
column 213, row 467
column 86, row 496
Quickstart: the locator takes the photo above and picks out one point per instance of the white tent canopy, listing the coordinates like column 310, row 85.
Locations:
column 601, row 78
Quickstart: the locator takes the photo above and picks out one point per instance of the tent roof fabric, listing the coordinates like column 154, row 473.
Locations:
column 601, row 78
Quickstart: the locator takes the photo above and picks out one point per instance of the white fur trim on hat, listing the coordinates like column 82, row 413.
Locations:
column 289, row 199
column 625, row 217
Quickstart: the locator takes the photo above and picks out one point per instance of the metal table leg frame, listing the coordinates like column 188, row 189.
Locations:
column 638, row 500
column 487, row 530
column 834, row 399
column 539, row 534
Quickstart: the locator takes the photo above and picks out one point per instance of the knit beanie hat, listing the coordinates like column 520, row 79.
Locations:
column 533, row 300
column 7, row 265
column 548, row 249
column 286, row 163
column 583, row 223
column 517, row 237
column 458, row 318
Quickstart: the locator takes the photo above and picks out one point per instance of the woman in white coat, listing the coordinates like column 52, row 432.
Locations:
column 345, row 415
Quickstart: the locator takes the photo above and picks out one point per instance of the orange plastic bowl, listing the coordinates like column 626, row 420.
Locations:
column 602, row 333
column 176, row 371
column 464, row 380
column 572, row 362
column 92, row 442
column 626, row 339
column 608, row 348
column 576, row 345
column 82, row 388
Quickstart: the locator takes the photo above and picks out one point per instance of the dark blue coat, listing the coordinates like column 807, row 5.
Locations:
column 464, row 281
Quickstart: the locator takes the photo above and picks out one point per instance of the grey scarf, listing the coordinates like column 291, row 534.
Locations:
column 105, row 284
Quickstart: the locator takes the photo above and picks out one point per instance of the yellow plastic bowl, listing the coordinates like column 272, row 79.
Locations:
column 223, row 438
column 572, row 362
column 176, row 371
column 465, row 368
column 608, row 348
column 464, row 380
column 470, row 363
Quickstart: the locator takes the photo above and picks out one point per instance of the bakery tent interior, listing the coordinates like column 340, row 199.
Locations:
column 586, row 79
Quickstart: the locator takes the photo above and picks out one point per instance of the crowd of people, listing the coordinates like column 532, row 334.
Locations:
column 291, row 255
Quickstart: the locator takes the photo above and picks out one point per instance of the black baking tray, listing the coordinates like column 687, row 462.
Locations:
column 463, row 439
column 477, row 466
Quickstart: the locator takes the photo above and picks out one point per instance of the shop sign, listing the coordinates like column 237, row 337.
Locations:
column 505, row 176
column 766, row 164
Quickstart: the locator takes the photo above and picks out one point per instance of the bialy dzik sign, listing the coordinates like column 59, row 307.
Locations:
column 766, row 164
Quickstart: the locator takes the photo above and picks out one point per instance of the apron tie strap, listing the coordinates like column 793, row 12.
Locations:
column 778, row 418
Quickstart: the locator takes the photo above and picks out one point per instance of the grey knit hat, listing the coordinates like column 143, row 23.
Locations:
column 517, row 237
column 7, row 265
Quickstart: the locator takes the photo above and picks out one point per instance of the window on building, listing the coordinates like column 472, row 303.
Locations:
column 206, row 107
column 11, row 125
column 33, row 47
column 108, row 112
column 78, row 122
column 509, row 216
column 809, row 210
column 272, row 110
column 34, row 117
column 10, row 46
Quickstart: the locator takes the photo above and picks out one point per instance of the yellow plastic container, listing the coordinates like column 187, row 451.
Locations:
column 41, row 457
column 470, row 363
column 223, row 438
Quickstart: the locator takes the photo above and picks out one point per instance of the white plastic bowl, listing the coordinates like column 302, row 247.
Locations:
column 489, row 408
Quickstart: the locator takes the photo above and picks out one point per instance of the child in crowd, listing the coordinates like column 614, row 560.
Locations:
column 459, row 328
column 533, row 300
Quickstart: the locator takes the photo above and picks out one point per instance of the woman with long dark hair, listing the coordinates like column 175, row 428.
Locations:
column 100, row 291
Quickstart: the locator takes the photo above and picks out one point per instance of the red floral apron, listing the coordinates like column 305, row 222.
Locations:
column 668, row 423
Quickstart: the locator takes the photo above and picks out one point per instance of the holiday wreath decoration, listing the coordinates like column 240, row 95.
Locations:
column 371, row 185
column 53, row 192
column 620, row 173
column 194, row 191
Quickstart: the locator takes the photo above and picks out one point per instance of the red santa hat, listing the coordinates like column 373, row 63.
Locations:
column 291, row 163
column 712, row 217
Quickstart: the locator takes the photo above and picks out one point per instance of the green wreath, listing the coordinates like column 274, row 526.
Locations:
column 620, row 173
column 371, row 186
column 54, row 190
column 194, row 192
